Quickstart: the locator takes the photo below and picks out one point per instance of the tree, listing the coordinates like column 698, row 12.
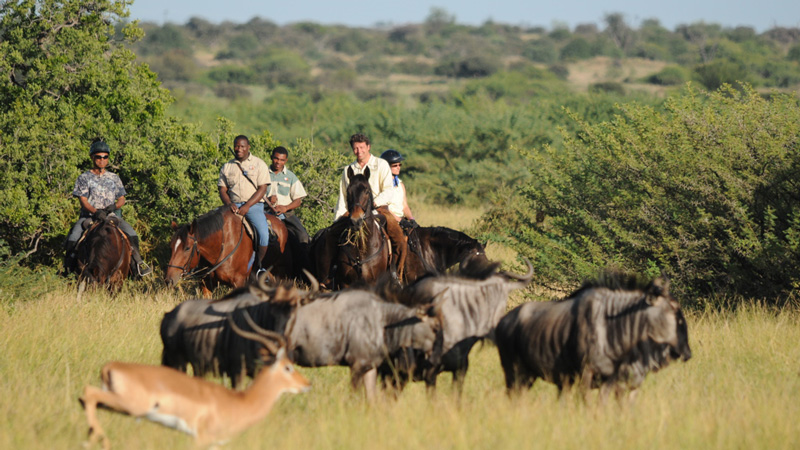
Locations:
column 64, row 81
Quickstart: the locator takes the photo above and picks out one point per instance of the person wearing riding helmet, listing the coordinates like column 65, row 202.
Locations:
column 398, row 202
column 100, row 193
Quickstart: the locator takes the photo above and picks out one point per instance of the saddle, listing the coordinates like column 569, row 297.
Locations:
column 276, row 229
column 88, row 223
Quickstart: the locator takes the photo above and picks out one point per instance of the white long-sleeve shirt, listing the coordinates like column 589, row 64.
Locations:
column 380, row 180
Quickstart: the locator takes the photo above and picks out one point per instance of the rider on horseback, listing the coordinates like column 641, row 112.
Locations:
column 381, row 183
column 243, row 184
column 101, row 192
column 398, row 202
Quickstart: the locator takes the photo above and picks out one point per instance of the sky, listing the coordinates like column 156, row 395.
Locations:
column 761, row 15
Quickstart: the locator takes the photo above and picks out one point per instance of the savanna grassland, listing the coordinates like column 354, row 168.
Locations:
column 741, row 389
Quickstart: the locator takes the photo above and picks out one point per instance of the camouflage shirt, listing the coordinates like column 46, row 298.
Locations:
column 100, row 190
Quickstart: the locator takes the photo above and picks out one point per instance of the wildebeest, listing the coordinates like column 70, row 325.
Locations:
column 356, row 328
column 195, row 333
column 353, row 327
column 433, row 250
column 609, row 334
column 473, row 301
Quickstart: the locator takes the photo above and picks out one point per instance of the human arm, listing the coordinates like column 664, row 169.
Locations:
column 406, row 210
column 280, row 209
column 255, row 198
column 385, row 184
column 341, row 203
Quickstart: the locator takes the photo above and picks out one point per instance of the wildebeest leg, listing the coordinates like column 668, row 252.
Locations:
column 370, row 384
column 366, row 376
column 458, row 376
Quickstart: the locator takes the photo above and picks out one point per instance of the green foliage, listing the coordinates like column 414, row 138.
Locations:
column 704, row 191
column 669, row 76
column 64, row 84
column 716, row 73
column 468, row 67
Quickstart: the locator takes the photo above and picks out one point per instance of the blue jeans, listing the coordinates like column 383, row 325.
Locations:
column 255, row 215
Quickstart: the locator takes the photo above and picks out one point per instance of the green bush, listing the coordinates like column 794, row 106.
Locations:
column 703, row 191
column 669, row 76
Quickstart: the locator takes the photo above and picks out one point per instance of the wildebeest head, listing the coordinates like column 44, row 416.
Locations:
column 666, row 322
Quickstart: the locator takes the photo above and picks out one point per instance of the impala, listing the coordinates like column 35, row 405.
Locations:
column 208, row 411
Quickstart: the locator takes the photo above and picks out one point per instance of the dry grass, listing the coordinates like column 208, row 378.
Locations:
column 741, row 390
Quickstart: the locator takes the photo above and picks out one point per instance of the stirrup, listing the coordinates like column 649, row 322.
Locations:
column 260, row 271
column 143, row 269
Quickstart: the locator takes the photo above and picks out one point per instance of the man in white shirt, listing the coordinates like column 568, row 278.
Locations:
column 380, row 180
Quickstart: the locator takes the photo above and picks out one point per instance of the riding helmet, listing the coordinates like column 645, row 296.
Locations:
column 392, row 156
column 99, row 147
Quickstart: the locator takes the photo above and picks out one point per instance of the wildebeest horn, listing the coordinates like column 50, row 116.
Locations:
column 262, row 283
column 313, row 281
column 265, row 337
column 527, row 277
column 266, row 333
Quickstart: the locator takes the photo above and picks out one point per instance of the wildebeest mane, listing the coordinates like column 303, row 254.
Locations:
column 618, row 281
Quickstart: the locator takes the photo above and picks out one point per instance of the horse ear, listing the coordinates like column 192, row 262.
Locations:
column 366, row 173
column 350, row 173
column 174, row 226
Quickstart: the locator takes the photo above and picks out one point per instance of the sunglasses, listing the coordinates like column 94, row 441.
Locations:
column 100, row 157
column 396, row 165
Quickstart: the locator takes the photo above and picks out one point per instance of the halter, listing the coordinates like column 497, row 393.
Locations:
column 356, row 262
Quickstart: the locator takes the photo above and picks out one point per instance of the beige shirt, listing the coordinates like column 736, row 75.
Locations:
column 380, row 180
column 239, row 189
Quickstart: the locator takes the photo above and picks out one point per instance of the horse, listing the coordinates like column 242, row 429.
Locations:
column 433, row 250
column 356, row 243
column 217, row 248
column 103, row 255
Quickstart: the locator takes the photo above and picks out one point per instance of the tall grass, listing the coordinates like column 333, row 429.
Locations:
column 740, row 390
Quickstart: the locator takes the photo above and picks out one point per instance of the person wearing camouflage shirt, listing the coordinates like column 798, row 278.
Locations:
column 101, row 192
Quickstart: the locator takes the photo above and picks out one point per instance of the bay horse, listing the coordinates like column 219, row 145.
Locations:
column 363, row 247
column 433, row 250
column 217, row 249
column 103, row 255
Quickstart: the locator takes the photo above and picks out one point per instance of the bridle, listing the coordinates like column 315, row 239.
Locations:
column 355, row 261
column 188, row 272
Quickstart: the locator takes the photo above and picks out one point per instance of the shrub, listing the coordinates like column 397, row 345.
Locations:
column 669, row 76
column 703, row 191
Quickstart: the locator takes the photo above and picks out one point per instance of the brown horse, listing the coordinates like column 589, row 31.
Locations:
column 433, row 250
column 217, row 249
column 104, row 255
column 355, row 244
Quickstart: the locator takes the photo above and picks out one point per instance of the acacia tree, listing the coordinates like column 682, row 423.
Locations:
column 64, row 81
column 705, row 190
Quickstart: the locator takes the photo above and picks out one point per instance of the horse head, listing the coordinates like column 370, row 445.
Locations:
column 185, row 255
column 359, row 196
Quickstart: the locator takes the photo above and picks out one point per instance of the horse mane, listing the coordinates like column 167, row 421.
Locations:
column 209, row 223
column 100, row 249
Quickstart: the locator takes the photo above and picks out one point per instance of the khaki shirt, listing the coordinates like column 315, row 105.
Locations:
column 380, row 180
column 239, row 189
column 286, row 186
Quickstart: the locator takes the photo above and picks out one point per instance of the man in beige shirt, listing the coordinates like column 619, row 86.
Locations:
column 243, row 184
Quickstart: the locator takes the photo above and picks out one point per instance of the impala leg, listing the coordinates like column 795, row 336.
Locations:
column 89, row 400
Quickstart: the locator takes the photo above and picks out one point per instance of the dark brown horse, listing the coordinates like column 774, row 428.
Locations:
column 433, row 250
column 217, row 248
column 104, row 255
column 362, row 249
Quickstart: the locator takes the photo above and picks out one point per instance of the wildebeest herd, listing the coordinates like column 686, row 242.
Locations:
column 608, row 334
